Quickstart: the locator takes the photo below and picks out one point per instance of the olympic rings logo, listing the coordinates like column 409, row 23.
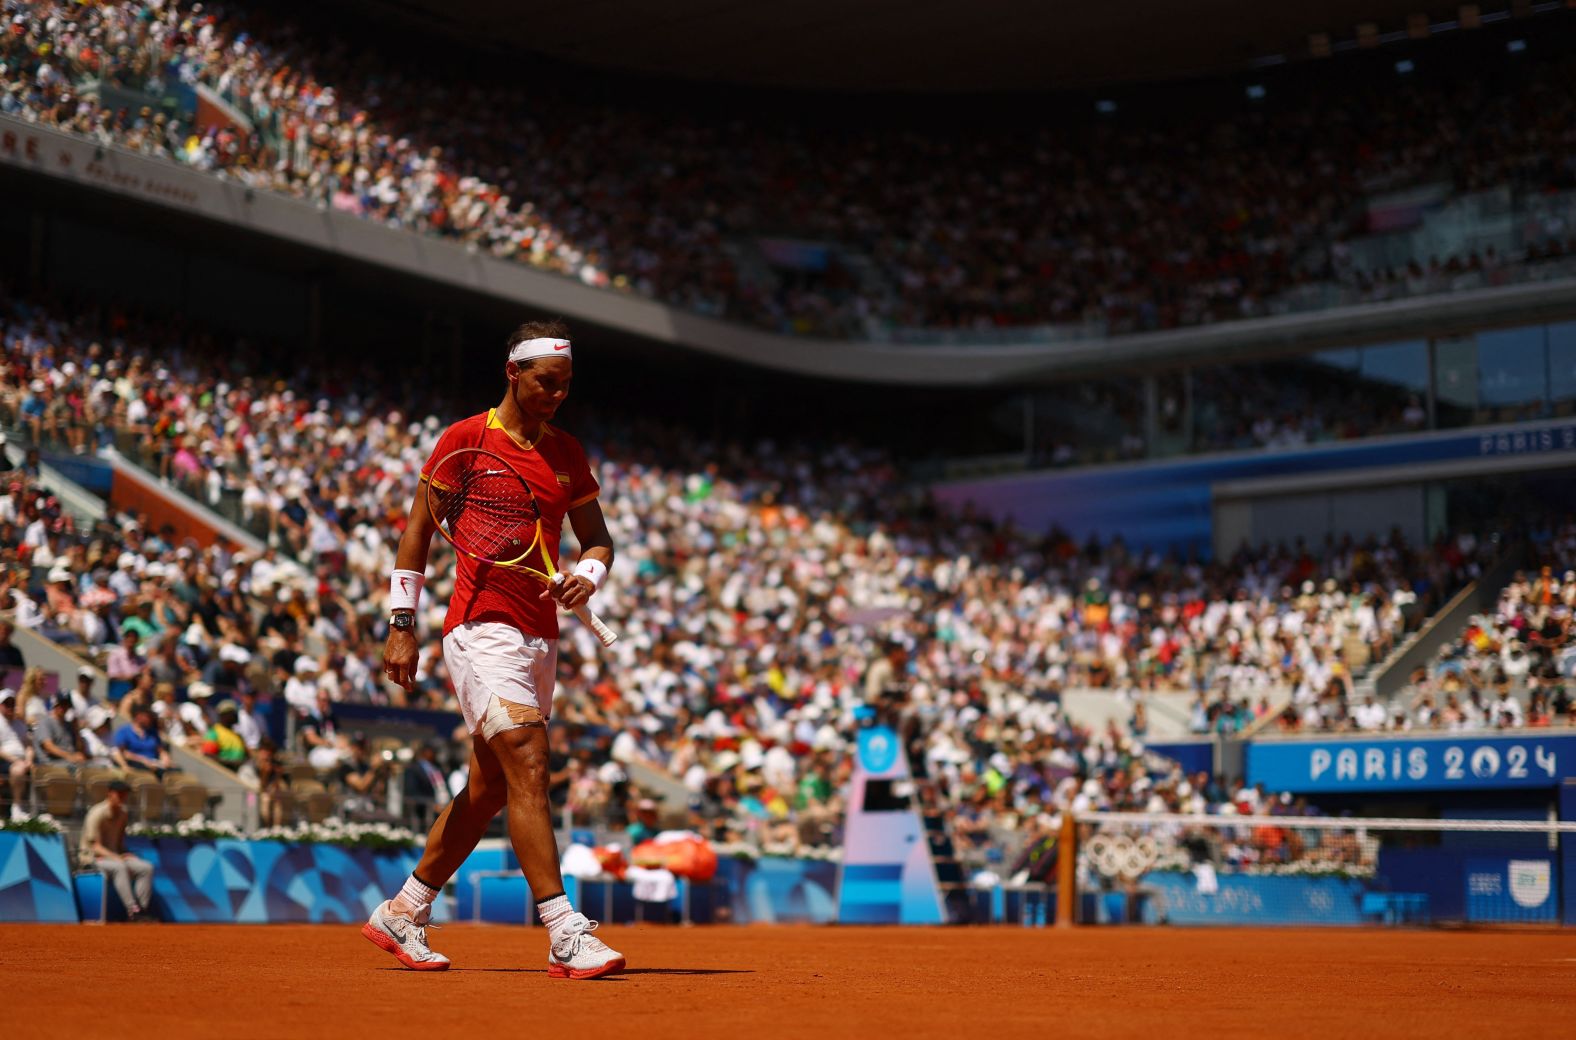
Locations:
column 1120, row 855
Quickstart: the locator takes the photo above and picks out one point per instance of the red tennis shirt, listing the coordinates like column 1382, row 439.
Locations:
column 556, row 468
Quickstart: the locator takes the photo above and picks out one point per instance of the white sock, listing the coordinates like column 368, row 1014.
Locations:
column 554, row 912
column 413, row 898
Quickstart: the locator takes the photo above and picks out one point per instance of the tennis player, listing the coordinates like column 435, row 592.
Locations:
column 500, row 645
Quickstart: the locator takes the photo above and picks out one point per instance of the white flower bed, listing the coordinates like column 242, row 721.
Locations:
column 745, row 850
column 329, row 832
column 43, row 823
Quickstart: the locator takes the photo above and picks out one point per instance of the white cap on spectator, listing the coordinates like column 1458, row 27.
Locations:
column 305, row 665
column 199, row 691
column 231, row 652
column 7, row 694
column 60, row 572
column 86, row 673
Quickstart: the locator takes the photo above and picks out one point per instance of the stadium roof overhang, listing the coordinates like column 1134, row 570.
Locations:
column 926, row 45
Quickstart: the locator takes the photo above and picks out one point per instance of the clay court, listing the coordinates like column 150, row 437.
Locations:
column 309, row 981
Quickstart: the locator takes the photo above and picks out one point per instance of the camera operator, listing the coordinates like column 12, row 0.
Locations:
column 365, row 778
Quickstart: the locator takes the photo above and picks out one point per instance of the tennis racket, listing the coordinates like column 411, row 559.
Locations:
column 487, row 511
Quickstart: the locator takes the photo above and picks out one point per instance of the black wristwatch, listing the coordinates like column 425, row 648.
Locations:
column 402, row 620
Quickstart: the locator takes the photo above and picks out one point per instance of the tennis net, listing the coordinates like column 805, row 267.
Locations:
column 1162, row 868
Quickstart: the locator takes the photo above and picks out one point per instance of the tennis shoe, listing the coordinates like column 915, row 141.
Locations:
column 577, row 954
column 404, row 938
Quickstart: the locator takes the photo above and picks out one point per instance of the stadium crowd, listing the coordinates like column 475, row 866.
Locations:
column 1509, row 668
column 772, row 597
column 968, row 228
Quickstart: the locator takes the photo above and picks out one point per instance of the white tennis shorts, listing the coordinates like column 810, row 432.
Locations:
column 488, row 662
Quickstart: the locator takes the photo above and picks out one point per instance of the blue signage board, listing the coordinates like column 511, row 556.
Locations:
column 1516, row 890
column 878, row 750
column 1174, row 899
column 1160, row 505
column 1425, row 764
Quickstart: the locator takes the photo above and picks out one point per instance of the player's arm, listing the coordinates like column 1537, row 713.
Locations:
column 596, row 544
column 401, row 650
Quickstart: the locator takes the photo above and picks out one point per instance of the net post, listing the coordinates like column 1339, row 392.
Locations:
column 1067, row 870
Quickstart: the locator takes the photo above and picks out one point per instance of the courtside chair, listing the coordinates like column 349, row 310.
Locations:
column 148, row 795
column 185, row 797
column 95, row 783
column 301, row 772
column 57, row 795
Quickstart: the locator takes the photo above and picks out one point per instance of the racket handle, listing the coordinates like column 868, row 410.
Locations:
column 607, row 635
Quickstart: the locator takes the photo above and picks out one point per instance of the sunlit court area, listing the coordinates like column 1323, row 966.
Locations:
column 976, row 519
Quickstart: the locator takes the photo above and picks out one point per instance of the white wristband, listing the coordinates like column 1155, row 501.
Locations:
column 592, row 569
column 405, row 589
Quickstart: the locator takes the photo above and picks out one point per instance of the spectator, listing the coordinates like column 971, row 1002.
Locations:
column 141, row 623
column 125, row 662
column 273, row 784
column 226, row 673
column 301, row 688
column 424, row 789
column 320, row 736
column 16, row 753
column 644, row 826
column 250, row 723
column 138, row 745
column 104, row 846
column 98, row 738
column 222, row 742
column 1506, row 710
column 1370, row 715
column 55, row 740
column 82, row 693
column 364, row 779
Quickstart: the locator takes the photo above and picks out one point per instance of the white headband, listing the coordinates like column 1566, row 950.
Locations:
column 535, row 348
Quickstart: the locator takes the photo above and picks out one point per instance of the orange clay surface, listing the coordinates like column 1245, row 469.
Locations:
column 286, row 981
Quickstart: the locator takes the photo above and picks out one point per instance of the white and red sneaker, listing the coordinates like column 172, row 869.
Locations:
column 404, row 938
column 577, row 954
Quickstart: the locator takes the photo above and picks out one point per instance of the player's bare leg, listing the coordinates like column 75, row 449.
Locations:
column 464, row 820
column 399, row 925
column 574, row 953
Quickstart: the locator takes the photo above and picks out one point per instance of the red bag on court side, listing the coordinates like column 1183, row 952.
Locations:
column 691, row 857
column 612, row 860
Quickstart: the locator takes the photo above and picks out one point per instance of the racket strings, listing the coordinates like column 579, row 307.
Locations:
column 487, row 512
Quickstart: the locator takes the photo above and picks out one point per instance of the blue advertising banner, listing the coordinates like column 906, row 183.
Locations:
column 1160, row 505
column 1512, row 890
column 1421, row 764
column 35, row 879
column 779, row 890
column 83, row 470
column 257, row 882
column 1194, row 756
column 1174, row 898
